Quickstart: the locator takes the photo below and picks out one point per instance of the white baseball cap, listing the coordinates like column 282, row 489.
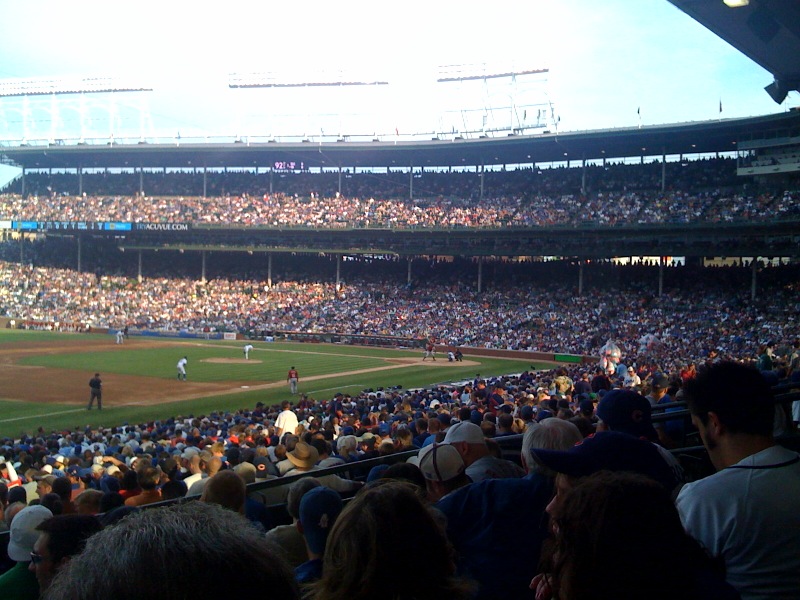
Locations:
column 23, row 531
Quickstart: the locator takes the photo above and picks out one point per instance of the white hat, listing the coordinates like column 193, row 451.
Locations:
column 59, row 459
column 440, row 462
column 47, row 469
column 23, row 531
column 464, row 431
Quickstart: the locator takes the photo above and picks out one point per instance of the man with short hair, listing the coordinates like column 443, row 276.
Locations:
column 88, row 502
column 746, row 513
column 44, row 485
column 148, row 478
column 60, row 538
column 287, row 539
column 205, row 544
column 468, row 439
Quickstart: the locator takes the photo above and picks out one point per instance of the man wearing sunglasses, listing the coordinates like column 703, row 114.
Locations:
column 19, row 583
column 60, row 538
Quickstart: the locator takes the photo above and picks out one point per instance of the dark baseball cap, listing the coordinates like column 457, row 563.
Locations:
column 610, row 451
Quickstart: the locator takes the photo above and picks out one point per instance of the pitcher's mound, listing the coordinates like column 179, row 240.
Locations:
column 230, row 361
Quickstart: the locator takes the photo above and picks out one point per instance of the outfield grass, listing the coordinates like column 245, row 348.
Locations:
column 269, row 363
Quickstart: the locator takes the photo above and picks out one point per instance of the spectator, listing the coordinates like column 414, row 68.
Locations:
column 468, row 439
column 216, row 547
column 746, row 513
column 618, row 535
column 443, row 469
column 88, row 502
column 369, row 545
column 319, row 509
column 489, row 521
column 148, row 478
column 60, row 538
column 227, row 489
column 20, row 582
column 287, row 539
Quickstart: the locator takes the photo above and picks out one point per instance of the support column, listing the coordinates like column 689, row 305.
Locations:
column 80, row 181
column 141, row 181
column 483, row 171
column 754, row 278
column 338, row 271
column 205, row 181
column 340, row 180
column 580, row 278
column 480, row 274
column 663, row 170
column 583, row 177
column 408, row 277
column 139, row 272
column 203, row 273
column 80, row 244
column 660, row 275
column 271, row 172
column 269, row 270
column 411, row 182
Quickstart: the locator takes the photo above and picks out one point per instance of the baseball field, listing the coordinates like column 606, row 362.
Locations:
column 44, row 376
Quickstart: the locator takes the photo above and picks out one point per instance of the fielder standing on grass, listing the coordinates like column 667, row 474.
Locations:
column 292, row 377
column 182, row 368
column 96, row 391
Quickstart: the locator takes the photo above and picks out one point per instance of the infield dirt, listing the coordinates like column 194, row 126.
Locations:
column 48, row 385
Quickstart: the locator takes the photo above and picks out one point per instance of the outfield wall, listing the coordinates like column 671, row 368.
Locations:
column 333, row 338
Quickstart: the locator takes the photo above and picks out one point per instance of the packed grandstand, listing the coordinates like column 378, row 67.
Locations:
column 696, row 191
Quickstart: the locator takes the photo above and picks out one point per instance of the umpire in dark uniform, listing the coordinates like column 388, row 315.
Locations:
column 96, row 387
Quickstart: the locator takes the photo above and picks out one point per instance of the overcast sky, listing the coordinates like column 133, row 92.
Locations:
column 616, row 63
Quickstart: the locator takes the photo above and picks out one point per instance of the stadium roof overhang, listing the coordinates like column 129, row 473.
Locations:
column 686, row 138
column 766, row 31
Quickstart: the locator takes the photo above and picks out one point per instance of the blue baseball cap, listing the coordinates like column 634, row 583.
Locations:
column 319, row 509
column 610, row 451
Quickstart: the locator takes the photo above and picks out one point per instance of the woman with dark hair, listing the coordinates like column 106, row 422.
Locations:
column 617, row 536
column 383, row 533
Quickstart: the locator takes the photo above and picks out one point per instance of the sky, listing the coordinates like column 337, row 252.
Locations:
column 616, row 63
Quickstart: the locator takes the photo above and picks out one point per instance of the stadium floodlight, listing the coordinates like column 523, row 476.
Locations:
column 275, row 79
column 449, row 73
column 68, row 85
column 736, row 3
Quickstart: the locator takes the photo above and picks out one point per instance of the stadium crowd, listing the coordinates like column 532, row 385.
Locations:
column 686, row 323
column 698, row 191
column 593, row 506
column 488, row 532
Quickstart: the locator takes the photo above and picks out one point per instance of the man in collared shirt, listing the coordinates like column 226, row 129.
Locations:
column 746, row 513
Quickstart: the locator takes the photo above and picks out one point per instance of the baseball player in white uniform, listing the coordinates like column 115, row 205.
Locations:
column 182, row 368
column 247, row 349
